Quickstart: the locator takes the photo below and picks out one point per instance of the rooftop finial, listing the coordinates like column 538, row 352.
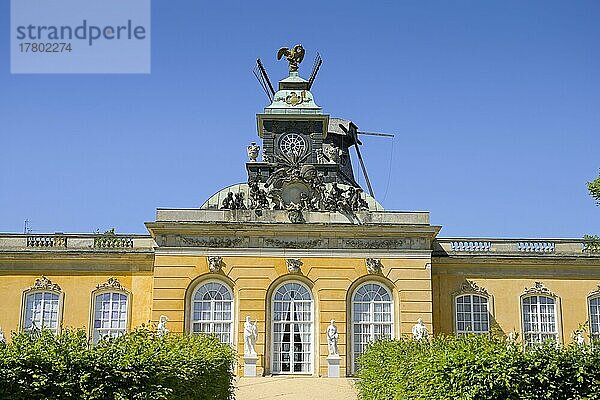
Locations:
column 294, row 56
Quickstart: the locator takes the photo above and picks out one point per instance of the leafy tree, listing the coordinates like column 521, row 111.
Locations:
column 138, row 366
column 478, row 368
column 594, row 189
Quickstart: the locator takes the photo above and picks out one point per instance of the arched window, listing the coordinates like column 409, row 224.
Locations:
column 372, row 317
column 212, row 311
column 472, row 314
column 110, row 315
column 539, row 319
column 292, row 329
column 594, row 310
column 42, row 306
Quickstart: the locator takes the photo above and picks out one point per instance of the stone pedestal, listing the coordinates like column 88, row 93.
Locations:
column 333, row 366
column 250, row 365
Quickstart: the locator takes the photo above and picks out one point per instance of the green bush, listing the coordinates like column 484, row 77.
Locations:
column 136, row 366
column 477, row 367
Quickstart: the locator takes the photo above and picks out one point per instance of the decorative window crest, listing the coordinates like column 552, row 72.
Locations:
column 539, row 288
column 44, row 283
column 111, row 283
column 293, row 264
column 471, row 287
column 374, row 265
column 595, row 292
column 215, row 263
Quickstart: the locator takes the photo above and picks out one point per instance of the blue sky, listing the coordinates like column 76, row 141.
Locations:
column 495, row 107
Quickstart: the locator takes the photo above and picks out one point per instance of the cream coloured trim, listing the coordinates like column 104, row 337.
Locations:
column 296, row 253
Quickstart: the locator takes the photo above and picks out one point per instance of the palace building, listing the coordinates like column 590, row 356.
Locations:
column 296, row 246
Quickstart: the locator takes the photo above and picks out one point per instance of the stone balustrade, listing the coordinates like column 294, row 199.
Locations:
column 470, row 246
column 517, row 247
column 43, row 241
column 60, row 241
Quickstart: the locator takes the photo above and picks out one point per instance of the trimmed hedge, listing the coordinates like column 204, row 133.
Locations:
column 477, row 367
column 136, row 366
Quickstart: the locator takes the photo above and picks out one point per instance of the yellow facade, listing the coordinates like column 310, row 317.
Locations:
column 160, row 280
column 330, row 280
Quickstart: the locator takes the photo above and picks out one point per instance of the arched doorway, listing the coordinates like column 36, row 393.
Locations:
column 292, row 329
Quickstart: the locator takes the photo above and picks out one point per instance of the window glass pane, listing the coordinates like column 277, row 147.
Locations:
column 110, row 315
column 211, row 310
column 372, row 317
column 472, row 314
column 539, row 317
column 292, row 329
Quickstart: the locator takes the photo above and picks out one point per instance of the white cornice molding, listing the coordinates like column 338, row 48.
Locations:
column 595, row 292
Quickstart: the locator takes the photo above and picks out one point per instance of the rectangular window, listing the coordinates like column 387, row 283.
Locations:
column 110, row 315
column 472, row 314
column 539, row 319
column 594, row 304
column 41, row 311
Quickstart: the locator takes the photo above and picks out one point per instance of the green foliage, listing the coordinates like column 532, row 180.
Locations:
column 478, row 368
column 136, row 366
column 594, row 189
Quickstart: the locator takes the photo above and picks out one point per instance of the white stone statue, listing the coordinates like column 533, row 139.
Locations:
column 578, row 337
column 253, row 150
column 2, row 336
column 332, row 339
column 161, row 329
column 332, row 153
column 419, row 331
column 250, row 335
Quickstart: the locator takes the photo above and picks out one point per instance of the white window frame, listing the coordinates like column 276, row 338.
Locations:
column 33, row 292
column 93, row 331
column 594, row 327
column 212, row 321
column 372, row 322
column 472, row 313
column 42, row 285
column 539, row 332
column 311, row 328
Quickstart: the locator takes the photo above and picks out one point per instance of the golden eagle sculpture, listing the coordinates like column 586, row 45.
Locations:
column 294, row 56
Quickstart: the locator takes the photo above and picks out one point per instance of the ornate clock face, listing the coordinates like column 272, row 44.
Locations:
column 292, row 143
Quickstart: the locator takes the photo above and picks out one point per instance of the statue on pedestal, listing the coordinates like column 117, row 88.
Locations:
column 419, row 331
column 332, row 339
column 250, row 335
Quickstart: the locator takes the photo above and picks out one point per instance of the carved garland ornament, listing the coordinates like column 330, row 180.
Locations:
column 212, row 242
column 111, row 283
column 308, row 244
column 44, row 283
column 373, row 244
column 293, row 264
column 215, row 263
column 469, row 286
column 539, row 288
